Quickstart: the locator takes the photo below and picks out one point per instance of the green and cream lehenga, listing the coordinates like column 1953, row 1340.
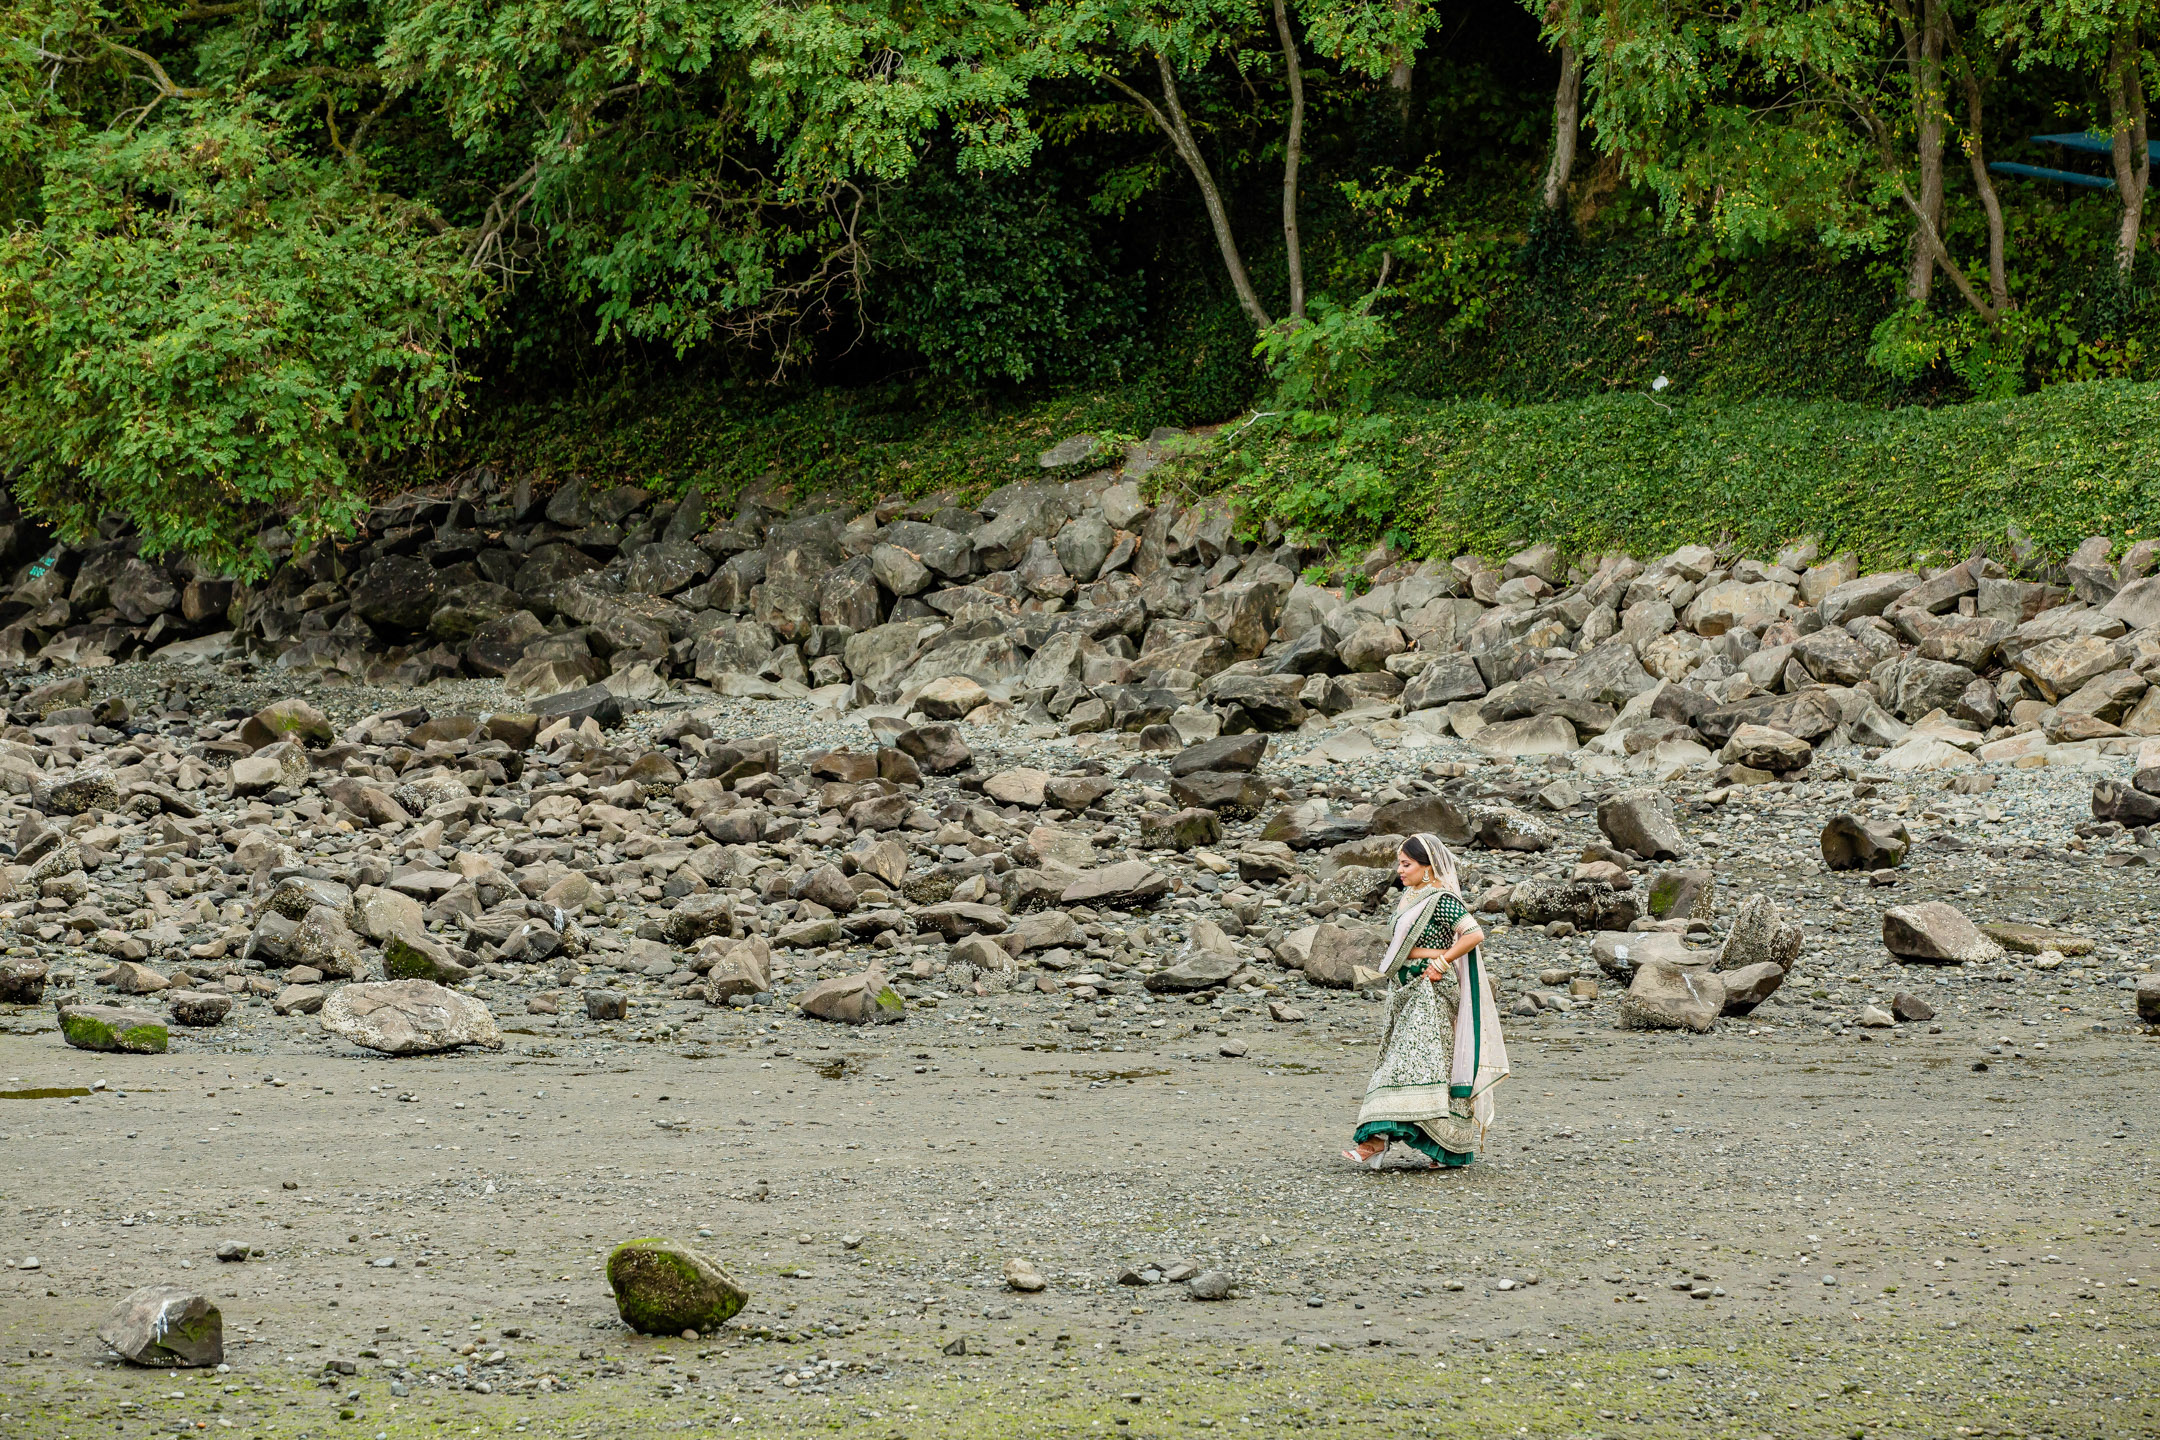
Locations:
column 1433, row 1088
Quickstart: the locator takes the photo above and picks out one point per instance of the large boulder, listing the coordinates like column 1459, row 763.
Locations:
column 1681, row 894
column 1226, row 752
column 664, row 1288
column 1936, row 933
column 115, row 1029
column 1851, row 843
column 1585, row 904
column 1760, row 933
column 166, row 1327
column 1203, row 969
column 1126, row 885
column 867, row 998
column 409, row 1017
column 1664, row 996
column 1750, row 985
column 1642, row 823
column 1621, row 953
column 1346, row 957
column 398, row 592
column 1759, row 747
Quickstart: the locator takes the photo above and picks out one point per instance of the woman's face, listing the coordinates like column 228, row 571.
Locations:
column 1412, row 873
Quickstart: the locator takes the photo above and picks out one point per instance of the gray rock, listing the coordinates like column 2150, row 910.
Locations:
column 1226, row 792
column 22, row 980
column 199, row 1008
column 1937, row 933
column 1867, row 595
column 78, row 794
column 409, row 1017
column 604, row 1005
column 1760, row 933
column 1750, row 985
column 420, row 957
column 1127, row 885
column 1621, row 953
column 1673, row 997
column 1641, row 822
column 166, row 1327
column 1202, row 970
column 1851, row 843
column 1209, row 1285
column 1227, row 752
column 1345, row 957
column 1180, row 829
column 1585, row 904
column 864, row 999
column 1681, row 894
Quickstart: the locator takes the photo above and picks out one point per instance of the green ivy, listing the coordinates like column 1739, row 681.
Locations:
column 1640, row 473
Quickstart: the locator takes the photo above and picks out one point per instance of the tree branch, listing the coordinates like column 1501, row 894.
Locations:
column 1174, row 125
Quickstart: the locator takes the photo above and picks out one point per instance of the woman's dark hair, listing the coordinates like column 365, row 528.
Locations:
column 1415, row 849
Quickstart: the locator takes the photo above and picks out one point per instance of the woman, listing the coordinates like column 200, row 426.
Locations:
column 1432, row 1091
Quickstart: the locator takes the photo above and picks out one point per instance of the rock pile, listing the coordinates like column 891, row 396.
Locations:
column 1086, row 605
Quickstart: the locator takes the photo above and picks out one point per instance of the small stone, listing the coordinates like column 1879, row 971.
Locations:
column 1873, row 1017
column 1022, row 1276
column 606, row 1005
column 1910, row 1008
column 1285, row 1014
column 1209, row 1285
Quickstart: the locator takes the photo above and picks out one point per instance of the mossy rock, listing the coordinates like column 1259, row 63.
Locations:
column 664, row 1288
column 887, row 1006
column 408, row 957
column 113, row 1029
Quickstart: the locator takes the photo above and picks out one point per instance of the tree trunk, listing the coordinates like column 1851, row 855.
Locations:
column 1567, row 122
column 1984, row 183
column 1400, row 76
column 2132, row 160
column 1925, row 52
column 1292, row 152
column 1176, row 127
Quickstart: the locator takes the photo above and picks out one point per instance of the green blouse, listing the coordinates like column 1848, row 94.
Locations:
column 1439, row 934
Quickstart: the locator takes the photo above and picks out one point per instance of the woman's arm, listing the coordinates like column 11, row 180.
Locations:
column 1465, row 942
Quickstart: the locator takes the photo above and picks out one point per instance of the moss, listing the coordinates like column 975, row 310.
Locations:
column 88, row 1032
column 889, row 1005
column 144, row 1039
column 662, row 1288
column 403, row 960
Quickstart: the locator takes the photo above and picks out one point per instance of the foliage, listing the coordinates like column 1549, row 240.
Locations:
column 207, row 324
column 1628, row 472
column 1000, row 283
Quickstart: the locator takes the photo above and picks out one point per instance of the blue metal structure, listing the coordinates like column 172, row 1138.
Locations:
column 2091, row 142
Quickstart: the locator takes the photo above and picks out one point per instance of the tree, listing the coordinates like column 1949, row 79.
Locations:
column 1113, row 42
column 2110, row 40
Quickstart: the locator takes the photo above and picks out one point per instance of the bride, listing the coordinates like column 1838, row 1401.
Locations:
column 1433, row 1088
